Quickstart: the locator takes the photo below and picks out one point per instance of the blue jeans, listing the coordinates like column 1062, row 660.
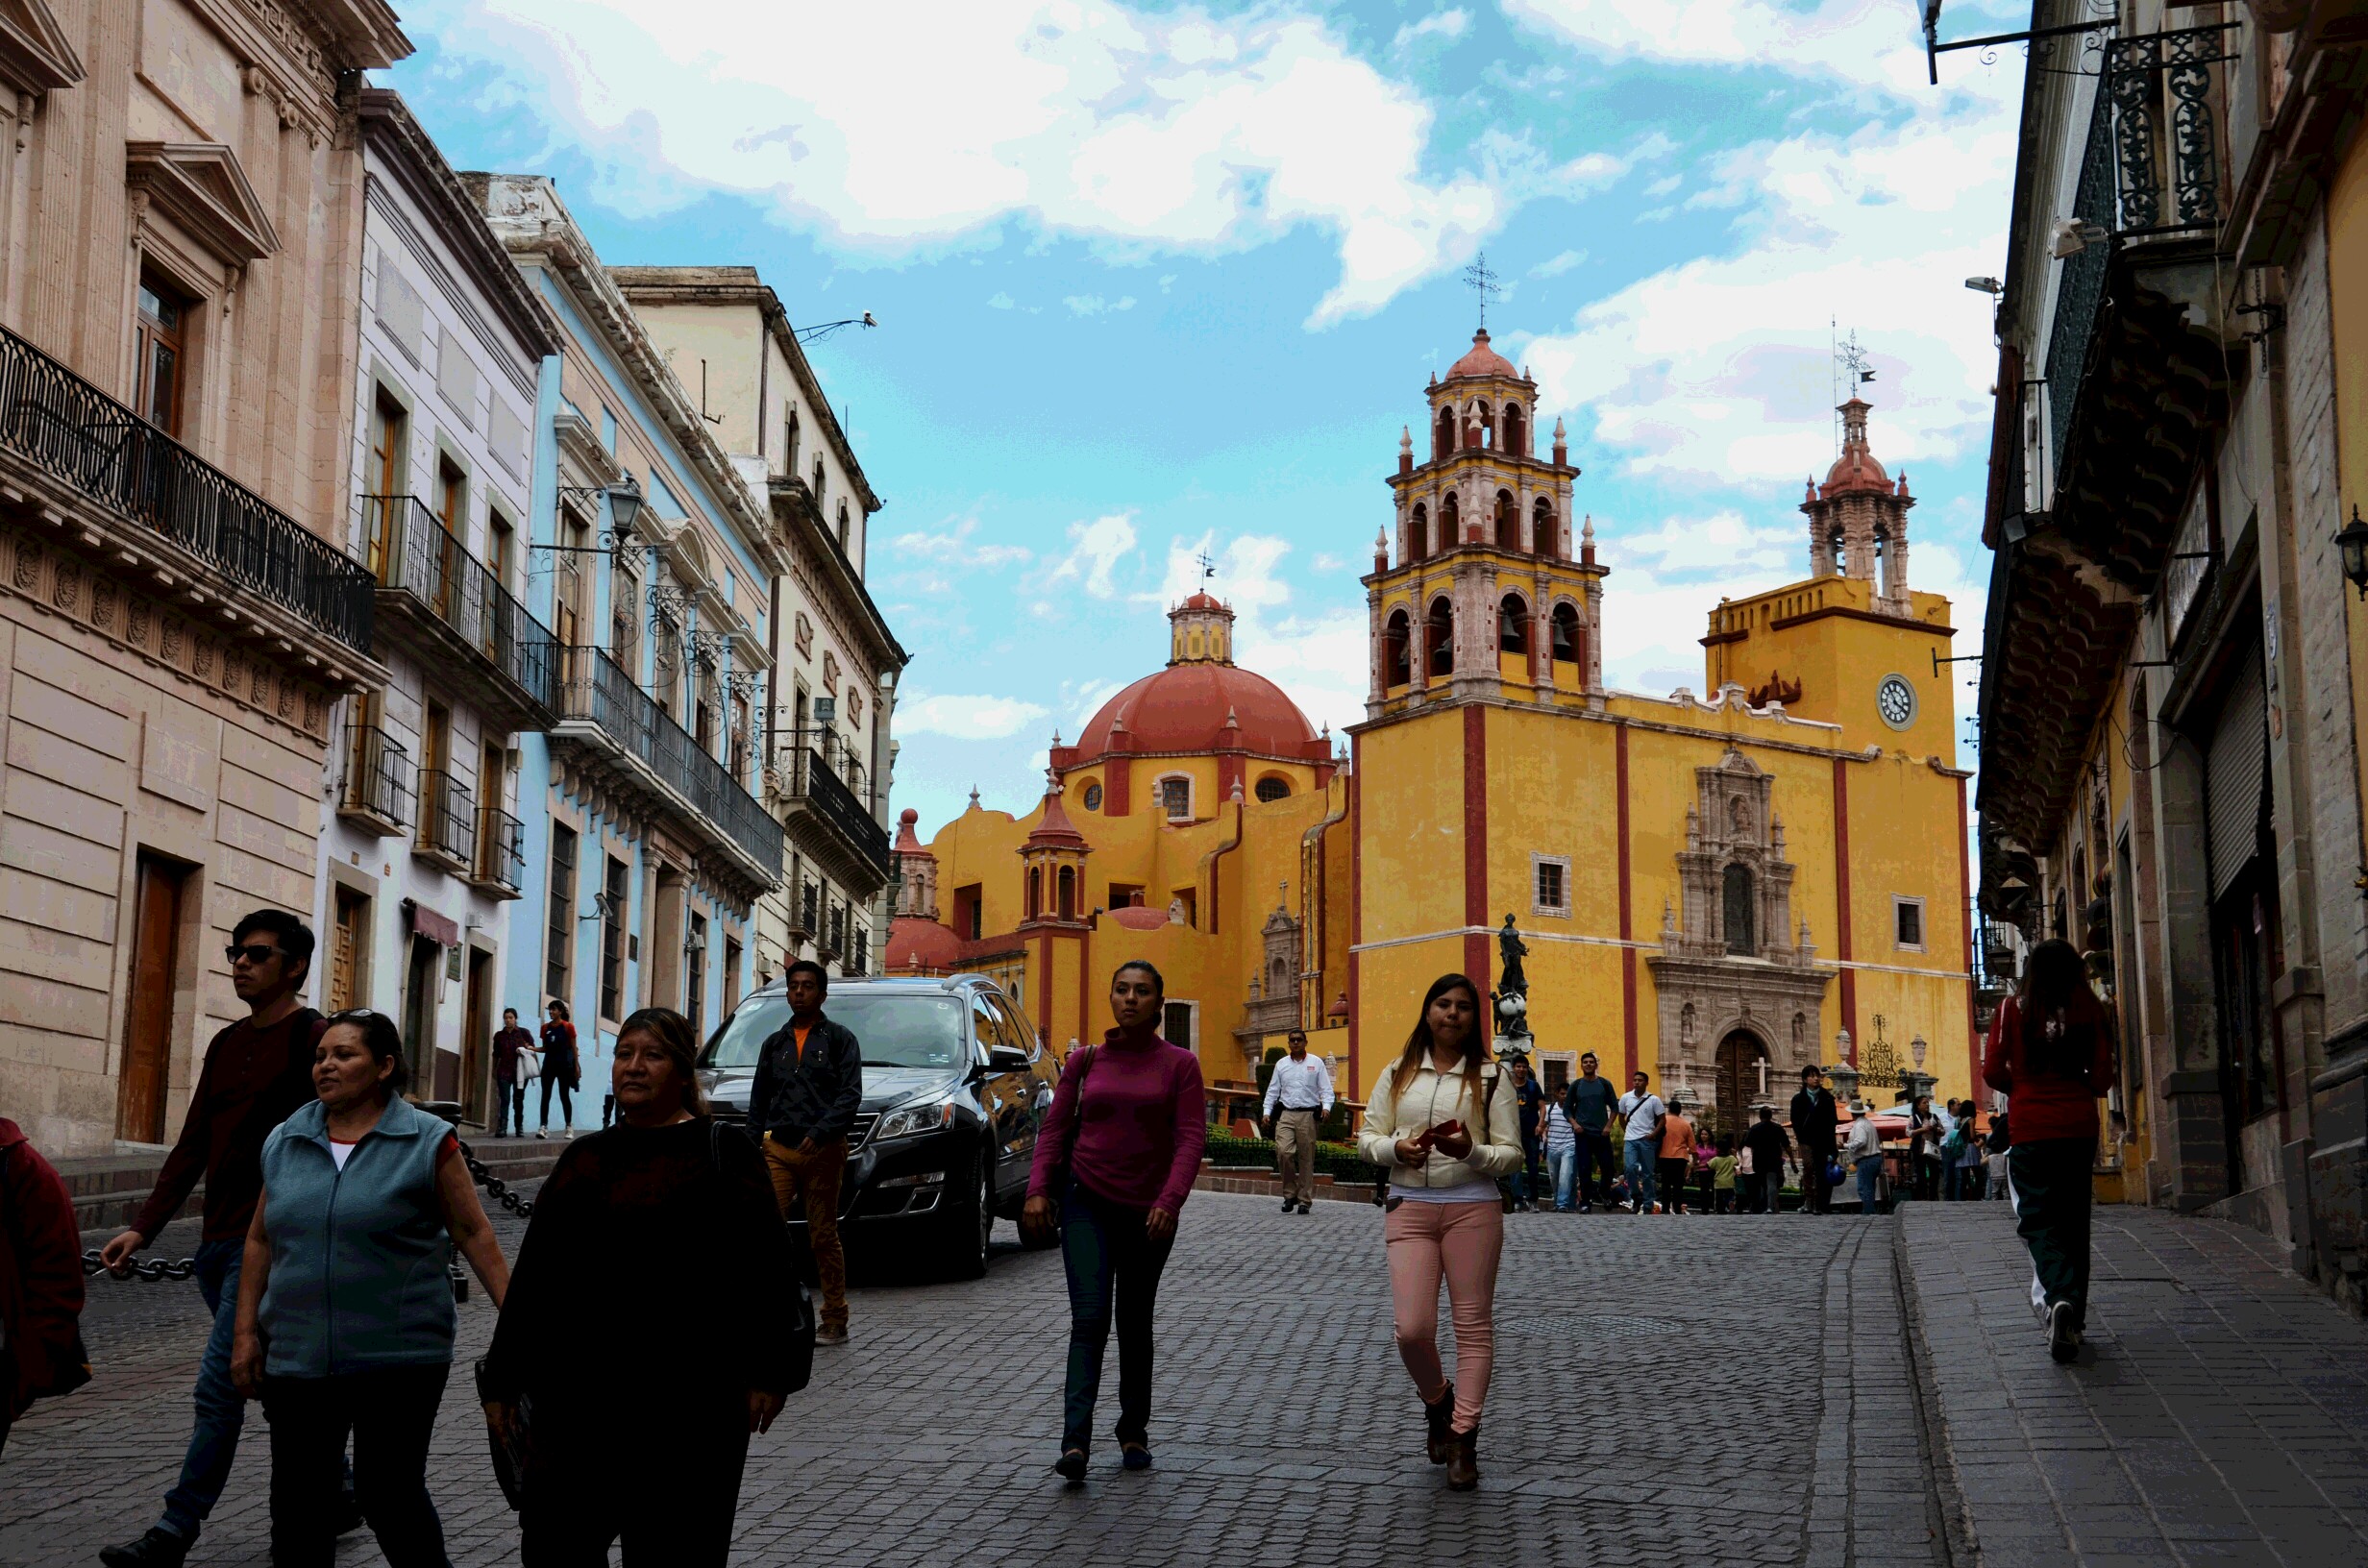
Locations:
column 1561, row 1163
column 1114, row 1269
column 1642, row 1156
column 1871, row 1171
column 221, row 1410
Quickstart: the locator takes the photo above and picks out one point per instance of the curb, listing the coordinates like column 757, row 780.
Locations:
column 1961, row 1546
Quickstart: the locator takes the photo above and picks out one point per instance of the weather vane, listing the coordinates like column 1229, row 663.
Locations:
column 1482, row 281
column 1208, row 567
column 1851, row 371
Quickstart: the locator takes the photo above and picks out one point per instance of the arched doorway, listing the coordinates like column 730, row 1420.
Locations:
column 1743, row 1080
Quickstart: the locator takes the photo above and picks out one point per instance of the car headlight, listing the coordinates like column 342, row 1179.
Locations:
column 914, row 1120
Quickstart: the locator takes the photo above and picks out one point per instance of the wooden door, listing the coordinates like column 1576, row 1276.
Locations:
column 477, row 1039
column 419, row 1011
column 148, row 1023
column 348, row 937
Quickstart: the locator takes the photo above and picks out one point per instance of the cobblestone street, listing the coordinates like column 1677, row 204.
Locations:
column 1726, row 1386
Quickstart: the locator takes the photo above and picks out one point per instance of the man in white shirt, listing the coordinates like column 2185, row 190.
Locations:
column 1298, row 1097
column 1861, row 1151
column 1642, row 1152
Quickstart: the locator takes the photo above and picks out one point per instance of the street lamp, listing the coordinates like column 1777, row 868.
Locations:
column 2353, row 541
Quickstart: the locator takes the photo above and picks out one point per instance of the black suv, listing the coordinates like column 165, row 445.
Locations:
column 955, row 1086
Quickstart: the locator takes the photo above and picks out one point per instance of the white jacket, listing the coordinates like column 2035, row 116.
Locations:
column 1865, row 1140
column 1431, row 1098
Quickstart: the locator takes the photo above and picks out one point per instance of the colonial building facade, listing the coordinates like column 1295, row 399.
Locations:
column 1717, row 889
column 2176, row 667
column 180, row 238
column 825, row 714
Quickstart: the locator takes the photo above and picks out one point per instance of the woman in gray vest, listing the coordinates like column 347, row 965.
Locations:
column 345, row 1306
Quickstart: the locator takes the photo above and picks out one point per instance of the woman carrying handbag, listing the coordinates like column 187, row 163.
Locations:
column 1447, row 1135
column 1117, row 1159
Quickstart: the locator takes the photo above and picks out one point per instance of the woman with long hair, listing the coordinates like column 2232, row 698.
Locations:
column 661, row 1228
column 2051, row 1054
column 1446, row 1130
column 345, row 1317
column 1114, row 1161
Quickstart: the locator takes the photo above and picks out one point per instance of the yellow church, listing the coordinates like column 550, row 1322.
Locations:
column 1716, row 887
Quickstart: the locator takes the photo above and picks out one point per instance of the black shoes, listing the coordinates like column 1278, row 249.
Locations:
column 160, row 1548
column 1288, row 1204
column 1464, row 1461
column 1307, row 1207
column 1439, row 1423
column 1070, row 1465
column 1134, row 1457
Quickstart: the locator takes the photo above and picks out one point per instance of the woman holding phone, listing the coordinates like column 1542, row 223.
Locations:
column 1446, row 1130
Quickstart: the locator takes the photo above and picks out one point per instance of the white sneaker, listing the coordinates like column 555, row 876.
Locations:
column 2063, row 1339
column 541, row 1134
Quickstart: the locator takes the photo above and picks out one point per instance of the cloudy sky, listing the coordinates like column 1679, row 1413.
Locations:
column 1159, row 280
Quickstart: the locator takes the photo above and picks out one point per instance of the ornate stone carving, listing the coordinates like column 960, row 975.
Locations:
column 201, row 662
column 171, row 641
column 68, row 588
column 28, row 565
column 102, row 604
column 288, row 701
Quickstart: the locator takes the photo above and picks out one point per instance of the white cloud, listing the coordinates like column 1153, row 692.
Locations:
column 1172, row 130
column 1094, row 305
column 1447, row 25
column 966, row 718
column 999, row 301
column 1554, row 266
column 957, row 546
column 1096, row 550
column 1871, row 42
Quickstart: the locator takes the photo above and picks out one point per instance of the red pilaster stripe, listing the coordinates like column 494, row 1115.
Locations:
column 1842, row 902
column 1476, row 843
column 1356, row 900
column 1627, row 955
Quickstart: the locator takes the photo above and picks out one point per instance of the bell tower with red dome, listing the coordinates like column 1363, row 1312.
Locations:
column 1860, row 515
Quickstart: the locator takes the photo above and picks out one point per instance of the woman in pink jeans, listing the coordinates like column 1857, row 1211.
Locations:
column 1439, row 1121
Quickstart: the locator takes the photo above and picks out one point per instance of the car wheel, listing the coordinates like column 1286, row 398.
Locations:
column 970, row 1226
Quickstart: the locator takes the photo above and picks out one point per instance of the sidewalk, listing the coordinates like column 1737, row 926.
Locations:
column 2218, row 1412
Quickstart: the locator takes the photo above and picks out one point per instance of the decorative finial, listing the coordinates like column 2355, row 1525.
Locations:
column 1558, row 427
column 1405, row 438
column 1587, row 529
column 1483, row 282
column 973, row 797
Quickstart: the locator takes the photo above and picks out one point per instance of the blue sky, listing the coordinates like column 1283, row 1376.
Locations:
column 1155, row 281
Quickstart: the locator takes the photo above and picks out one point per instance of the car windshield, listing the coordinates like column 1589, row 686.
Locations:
column 910, row 1031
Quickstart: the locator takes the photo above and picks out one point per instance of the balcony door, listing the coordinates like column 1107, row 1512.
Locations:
column 162, row 355
column 452, row 509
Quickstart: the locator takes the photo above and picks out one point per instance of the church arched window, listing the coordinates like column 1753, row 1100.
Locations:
column 1443, row 440
column 1542, row 528
column 1508, row 522
column 1484, row 422
column 1566, row 634
column 1439, row 639
column 1738, row 906
column 1418, row 533
column 1035, row 891
column 1450, row 522
column 1516, row 432
column 1068, row 884
column 1272, row 788
column 1513, row 626
column 1397, row 668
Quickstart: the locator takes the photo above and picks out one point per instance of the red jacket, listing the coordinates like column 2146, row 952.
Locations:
column 40, row 1277
column 2044, row 1104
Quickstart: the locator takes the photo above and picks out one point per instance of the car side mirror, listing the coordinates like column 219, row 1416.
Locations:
column 1006, row 1058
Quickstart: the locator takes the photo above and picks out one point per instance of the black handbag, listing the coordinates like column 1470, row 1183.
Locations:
column 513, row 1449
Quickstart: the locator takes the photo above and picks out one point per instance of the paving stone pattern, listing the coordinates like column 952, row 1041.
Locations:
column 1286, row 1428
column 2217, row 1414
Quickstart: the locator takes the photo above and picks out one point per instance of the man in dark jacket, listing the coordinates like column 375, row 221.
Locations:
column 810, row 1082
column 1768, row 1145
column 41, row 1281
column 1814, row 1119
column 256, row 1073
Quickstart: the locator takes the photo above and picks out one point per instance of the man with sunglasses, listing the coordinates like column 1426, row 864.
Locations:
column 256, row 1073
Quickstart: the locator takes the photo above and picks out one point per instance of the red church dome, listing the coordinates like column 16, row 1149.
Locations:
column 1199, row 707
column 915, row 944
column 1482, row 360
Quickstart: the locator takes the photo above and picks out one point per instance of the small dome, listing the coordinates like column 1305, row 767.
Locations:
column 1205, row 601
column 908, row 841
column 1482, row 360
column 915, row 944
column 1856, row 469
column 1199, row 707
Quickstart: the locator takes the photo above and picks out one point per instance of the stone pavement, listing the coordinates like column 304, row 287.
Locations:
column 2218, row 1412
column 1711, row 1388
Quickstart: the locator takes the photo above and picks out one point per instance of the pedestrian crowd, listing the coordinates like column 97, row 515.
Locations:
column 334, row 1207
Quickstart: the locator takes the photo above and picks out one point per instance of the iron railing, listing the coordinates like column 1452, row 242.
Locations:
column 2081, row 287
column 595, row 689
column 807, row 777
column 2166, row 143
column 447, row 818
column 413, row 551
column 81, row 435
column 377, row 776
column 501, row 850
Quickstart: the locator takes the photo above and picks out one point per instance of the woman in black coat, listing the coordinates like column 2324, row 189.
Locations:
column 660, row 1230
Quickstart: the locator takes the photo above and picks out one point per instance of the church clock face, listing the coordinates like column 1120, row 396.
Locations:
column 1895, row 701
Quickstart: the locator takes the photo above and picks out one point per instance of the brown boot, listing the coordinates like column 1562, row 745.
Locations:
column 1464, row 1461
column 1440, row 1419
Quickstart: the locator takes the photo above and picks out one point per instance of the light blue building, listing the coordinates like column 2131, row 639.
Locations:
column 645, row 849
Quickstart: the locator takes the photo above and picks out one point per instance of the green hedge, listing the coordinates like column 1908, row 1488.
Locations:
column 1339, row 1161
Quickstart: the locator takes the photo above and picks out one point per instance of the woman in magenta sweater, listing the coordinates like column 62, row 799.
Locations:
column 2051, row 1054
column 1120, row 1150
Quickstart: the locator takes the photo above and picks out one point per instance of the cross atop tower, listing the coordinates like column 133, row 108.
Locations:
column 1482, row 281
column 1208, row 567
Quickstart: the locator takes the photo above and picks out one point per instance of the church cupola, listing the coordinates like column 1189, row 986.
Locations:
column 916, row 871
column 1859, row 516
column 1201, row 631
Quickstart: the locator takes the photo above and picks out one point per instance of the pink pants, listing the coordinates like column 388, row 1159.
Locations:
column 1461, row 1242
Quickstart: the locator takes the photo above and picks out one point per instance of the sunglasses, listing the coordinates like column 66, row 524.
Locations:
column 254, row 952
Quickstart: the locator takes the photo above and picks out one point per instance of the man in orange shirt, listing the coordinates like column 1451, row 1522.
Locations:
column 1676, row 1156
column 808, row 1085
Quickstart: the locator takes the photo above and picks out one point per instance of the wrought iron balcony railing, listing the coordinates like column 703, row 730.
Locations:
column 447, row 819
column 501, row 850
column 79, row 434
column 378, row 778
column 594, row 689
column 411, row 549
column 805, row 777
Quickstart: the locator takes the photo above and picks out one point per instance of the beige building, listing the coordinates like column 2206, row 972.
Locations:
column 834, row 660
column 180, row 222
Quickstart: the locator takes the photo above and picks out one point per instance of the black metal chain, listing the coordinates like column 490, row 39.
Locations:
column 152, row 1269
